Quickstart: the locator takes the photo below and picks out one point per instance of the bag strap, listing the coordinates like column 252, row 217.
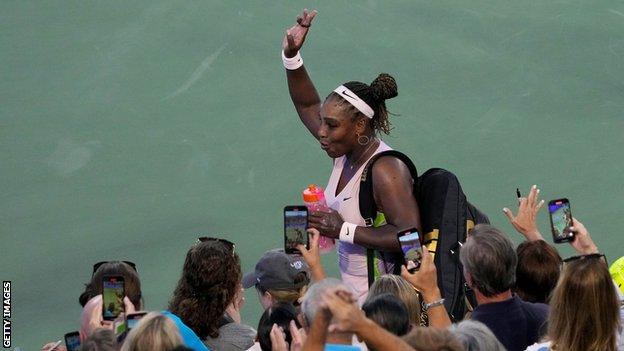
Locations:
column 368, row 207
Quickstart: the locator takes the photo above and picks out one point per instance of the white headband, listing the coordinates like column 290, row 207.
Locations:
column 355, row 101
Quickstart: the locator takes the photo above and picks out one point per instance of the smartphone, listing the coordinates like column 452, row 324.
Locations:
column 295, row 225
column 112, row 297
column 72, row 341
column 412, row 248
column 560, row 220
column 132, row 319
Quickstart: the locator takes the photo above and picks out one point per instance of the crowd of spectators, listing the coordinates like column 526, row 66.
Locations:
column 528, row 298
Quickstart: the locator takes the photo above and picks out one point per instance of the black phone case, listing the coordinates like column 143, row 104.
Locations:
column 556, row 238
column 307, row 243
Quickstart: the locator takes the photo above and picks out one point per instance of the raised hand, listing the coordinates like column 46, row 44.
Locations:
column 425, row 279
column 295, row 35
column 278, row 339
column 345, row 311
column 582, row 243
column 525, row 222
column 312, row 256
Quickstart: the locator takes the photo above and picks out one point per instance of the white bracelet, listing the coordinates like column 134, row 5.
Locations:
column 292, row 63
column 347, row 232
column 433, row 304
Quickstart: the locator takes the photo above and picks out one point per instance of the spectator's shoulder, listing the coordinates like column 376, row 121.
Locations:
column 233, row 336
column 538, row 311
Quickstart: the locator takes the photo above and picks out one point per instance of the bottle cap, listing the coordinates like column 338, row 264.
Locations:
column 313, row 193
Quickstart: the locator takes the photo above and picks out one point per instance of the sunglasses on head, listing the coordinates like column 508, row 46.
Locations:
column 230, row 245
column 585, row 257
column 99, row 264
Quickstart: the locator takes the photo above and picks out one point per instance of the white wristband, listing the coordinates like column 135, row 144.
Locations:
column 347, row 232
column 292, row 63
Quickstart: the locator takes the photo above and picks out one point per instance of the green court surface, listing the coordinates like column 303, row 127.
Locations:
column 127, row 129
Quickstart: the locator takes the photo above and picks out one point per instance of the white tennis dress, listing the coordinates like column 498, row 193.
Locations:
column 351, row 257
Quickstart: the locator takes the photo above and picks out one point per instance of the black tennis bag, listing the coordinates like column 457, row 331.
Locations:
column 446, row 217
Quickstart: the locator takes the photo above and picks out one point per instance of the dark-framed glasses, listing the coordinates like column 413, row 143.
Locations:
column 586, row 257
column 230, row 245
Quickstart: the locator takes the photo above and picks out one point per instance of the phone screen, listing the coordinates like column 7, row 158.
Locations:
column 72, row 341
column 560, row 219
column 133, row 319
column 295, row 225
column 112, row 297
column 412, row 250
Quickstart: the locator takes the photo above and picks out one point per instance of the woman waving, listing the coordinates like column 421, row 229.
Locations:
column 348, row 124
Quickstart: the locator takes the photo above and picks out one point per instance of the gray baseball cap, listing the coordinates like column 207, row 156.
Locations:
column 277, row 270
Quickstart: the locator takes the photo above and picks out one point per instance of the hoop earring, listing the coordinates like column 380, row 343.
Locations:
column 363, row 137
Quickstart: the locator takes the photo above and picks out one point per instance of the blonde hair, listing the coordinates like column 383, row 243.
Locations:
column 289, row 296
column 292, row 296
column 584, row 308
column 400, row 288
column 153, row 332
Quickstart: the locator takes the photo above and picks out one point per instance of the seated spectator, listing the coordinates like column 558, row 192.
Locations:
column 539, row 265
column 210, row 282
column 278, row 277
column 154, row 332
column 489, row 262
column 126, row 269
column 389, row 313
column 586, row 311
column 401, row 288
column 433, row 339
column 100, row 340
column 476, row 336
column 281, row 314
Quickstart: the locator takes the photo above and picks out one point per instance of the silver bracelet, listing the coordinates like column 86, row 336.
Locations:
column 439, row 302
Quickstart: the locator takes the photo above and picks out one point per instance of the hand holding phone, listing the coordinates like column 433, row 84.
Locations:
column 560, row 220
column 411, row 248
column 295, row 226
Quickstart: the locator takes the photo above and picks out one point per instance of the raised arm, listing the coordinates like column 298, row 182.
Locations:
column 302, row 91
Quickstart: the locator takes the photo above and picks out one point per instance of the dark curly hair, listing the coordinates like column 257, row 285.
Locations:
column 375, row 95
column 132, row 283
column 210, row 279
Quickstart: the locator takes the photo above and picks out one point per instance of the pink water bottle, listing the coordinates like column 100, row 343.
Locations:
column 314, row 199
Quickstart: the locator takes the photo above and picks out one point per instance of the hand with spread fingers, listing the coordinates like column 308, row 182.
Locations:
column 295, row 35
column 525, row 222
column 327, row 223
